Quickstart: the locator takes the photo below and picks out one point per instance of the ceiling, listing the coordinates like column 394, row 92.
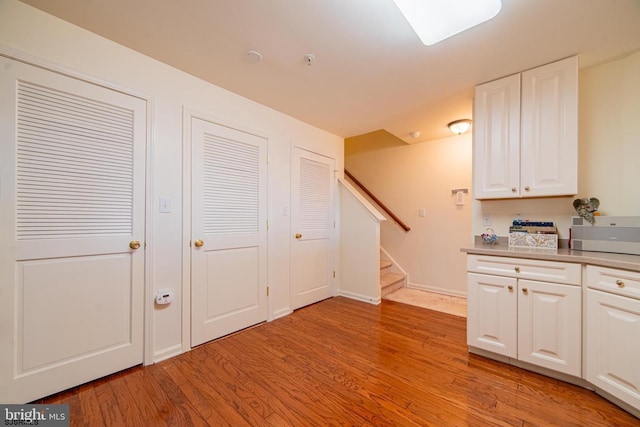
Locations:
column 371, row 71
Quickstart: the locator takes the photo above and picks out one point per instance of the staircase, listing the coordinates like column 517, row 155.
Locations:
column 389, row 280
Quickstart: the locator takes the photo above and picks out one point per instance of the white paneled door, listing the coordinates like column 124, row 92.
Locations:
column 229, row 230
column 312, row 225
column 72, row 198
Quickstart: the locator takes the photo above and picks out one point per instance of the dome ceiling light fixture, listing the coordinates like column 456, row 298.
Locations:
column 459, row 126
column 436, row 20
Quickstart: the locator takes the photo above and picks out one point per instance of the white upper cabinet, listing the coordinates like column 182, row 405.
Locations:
column 496, row 139
column 526, row 134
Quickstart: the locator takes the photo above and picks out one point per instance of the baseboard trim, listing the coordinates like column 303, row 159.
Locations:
column 167, row 353
column 442, row 291
column 281, row 313
column 358, row 297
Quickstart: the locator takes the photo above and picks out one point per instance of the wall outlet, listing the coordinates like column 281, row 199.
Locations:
column 486, row 219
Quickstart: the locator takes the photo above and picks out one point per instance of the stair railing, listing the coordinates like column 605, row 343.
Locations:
column 393, row 216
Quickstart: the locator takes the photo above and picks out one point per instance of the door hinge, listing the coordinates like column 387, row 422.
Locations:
column 334, row 274
column 267, row 225
column 268, row 159
column 267, row 291
column 334, row 224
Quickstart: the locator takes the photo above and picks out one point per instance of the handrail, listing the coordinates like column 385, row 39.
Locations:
column 393, row 216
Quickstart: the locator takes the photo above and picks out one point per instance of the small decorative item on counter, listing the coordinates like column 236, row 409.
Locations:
column 489, row 237
column 587, row 208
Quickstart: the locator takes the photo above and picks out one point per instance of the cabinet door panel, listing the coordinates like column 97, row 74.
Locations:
column 496, row 148
column 550, row 325
column 612, row 345
column 491, row 313
column 549, row 141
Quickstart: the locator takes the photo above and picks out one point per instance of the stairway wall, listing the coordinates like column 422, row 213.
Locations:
column 409, row 177
column 360, row 246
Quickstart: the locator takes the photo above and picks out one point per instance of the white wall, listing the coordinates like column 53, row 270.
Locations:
column 608, row 151
column 360, row 246
column 409, row 177
column 49, row 39
column 610, row 135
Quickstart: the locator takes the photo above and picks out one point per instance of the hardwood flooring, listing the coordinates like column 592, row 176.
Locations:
column 338, row 362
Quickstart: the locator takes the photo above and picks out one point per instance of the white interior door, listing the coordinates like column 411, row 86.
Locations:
column 312, row 224
column 229, row 235
column 72, row 171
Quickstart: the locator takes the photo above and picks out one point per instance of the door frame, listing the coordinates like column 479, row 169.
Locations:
column 44, row 64
column 188, row 114
column 332, row 239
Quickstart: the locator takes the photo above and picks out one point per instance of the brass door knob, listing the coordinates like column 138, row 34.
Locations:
column 527, row 188
column 510, row 287
column 620, row 283
column 525, row 291
column 517, row 269
column 298, row 236
column 134, row 244
column 198, row 243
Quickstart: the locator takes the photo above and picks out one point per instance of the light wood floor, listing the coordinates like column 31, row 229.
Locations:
column 338, row 362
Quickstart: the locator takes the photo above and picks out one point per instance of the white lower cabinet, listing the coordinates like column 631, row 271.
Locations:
column 534, row 321
column 492, row 313
column 550, row 325
column 612, row 336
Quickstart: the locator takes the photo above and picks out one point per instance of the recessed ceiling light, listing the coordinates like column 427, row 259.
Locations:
column 436, row 20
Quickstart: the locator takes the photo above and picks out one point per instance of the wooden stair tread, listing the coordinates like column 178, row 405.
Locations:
column 385, row 264
column 388, row 279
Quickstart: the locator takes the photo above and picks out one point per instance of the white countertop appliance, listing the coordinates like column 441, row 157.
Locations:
column 616, row 234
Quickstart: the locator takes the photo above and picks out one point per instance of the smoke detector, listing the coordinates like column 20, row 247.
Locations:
column 253, row 56
column 309, row 58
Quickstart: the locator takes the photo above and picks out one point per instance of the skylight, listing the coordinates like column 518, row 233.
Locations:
column 436, row 20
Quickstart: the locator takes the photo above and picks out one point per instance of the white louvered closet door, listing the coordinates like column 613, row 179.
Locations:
column 72, row 165
column 312, row 225
column 229, row 234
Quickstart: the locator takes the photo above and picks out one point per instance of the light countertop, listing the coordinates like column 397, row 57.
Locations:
column 603, row 259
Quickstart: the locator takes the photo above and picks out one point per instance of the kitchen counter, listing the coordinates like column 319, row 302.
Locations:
column 603, row 259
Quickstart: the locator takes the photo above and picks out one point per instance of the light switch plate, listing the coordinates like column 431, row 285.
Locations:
column 165, row 205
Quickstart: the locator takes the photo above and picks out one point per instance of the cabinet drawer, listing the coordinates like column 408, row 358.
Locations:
column 532, row 269
column 620, row 282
